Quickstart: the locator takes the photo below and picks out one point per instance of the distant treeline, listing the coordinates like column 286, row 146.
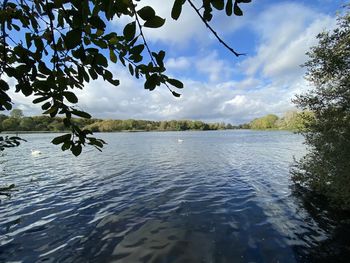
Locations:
column 292, row 120
column 144, row 125
column 18, row 122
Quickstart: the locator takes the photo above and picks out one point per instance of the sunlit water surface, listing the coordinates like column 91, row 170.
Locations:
column 150, row 197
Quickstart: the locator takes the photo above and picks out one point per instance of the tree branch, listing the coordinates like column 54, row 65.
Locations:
column 214, row 32
column 141, row 33
column 145, row 42
column 55, row 55
column 3, row 28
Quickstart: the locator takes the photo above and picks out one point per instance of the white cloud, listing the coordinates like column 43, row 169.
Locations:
column 238, row 100
column 19, row 100
column 189, row 28
column 285, row 37
column 178, row 63
column 178, row 32
column 246, row 83
column 215, row 68
column 268, row 79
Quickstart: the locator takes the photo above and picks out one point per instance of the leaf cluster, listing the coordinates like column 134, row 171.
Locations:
column 208, row 6
column 9, row 142
column 51, row 48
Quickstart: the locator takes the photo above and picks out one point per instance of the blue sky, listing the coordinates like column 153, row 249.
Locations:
column 218, row 86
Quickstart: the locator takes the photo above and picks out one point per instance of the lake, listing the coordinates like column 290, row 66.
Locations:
column 219, row 196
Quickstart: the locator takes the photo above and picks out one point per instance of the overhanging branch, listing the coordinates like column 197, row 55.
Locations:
column 214, row 32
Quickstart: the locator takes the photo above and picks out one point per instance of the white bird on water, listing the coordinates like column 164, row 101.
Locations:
column 35, row 152
column 180, row 140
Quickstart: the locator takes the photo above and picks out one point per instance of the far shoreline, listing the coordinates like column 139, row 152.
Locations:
column 137, row 131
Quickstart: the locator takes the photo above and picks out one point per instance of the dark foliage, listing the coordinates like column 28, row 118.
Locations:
column 326, row 168
column 51, row 48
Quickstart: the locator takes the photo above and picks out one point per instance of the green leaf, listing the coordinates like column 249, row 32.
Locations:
column 76, row 149
column 113, row 41
column 131, row 70
column 43, row 69
column 81, row 114
column 207, row 16
column 5, row 101
column 97, row 22
column 121, row 58
column 177, row 9
column 151, row 82
column 114, row 82
column 87, row 41
column 146, row 13
column 176, row 94
column 130, row 31
column 28, row 39
column 17, row 28
column 137, row 49
column 155, row 22
column 218, row 4
column 99, row 32
column 159, row 57
column 22, row 69
column 136, row 58
column 85, row 75
column 73, row 38
column 25, row 87
column 112, row 56
column 107, row 74
column 101, row 60
column 41, row 99
column 70, row 96
column 4, row 85
column 229, row 7
column 93, row 73
column 61, row 139
column 46, row 105
column 11, row 72
column 243, row 1
column 237, row 10
column 39, row 44
column 52, row 111
column 65, row 146
column 96, row 142
column 100, row 43
column 176, row 83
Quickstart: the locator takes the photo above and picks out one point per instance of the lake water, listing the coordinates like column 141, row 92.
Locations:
column 148, row 197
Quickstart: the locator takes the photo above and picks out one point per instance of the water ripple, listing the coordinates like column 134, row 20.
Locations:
column 216, row 197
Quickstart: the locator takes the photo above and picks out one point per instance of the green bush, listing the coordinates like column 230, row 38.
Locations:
column 326, row 168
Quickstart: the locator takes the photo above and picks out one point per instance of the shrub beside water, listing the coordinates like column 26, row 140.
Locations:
column 326, row 167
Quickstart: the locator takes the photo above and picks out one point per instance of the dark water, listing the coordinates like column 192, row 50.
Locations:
column 214, row 197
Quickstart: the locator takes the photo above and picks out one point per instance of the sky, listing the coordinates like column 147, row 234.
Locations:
column 219, row 87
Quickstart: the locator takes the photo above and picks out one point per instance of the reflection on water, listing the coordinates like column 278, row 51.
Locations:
column 214, row 197
column 336, row 225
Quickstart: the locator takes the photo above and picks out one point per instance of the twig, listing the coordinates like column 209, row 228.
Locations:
column 145, row 42
column 141, row 33
column 4, row 36
column 55, row 55
column 214, row 32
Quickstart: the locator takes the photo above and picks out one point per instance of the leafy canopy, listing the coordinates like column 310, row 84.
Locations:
column 16, row 113
column 326, row 168
column 53, row 47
